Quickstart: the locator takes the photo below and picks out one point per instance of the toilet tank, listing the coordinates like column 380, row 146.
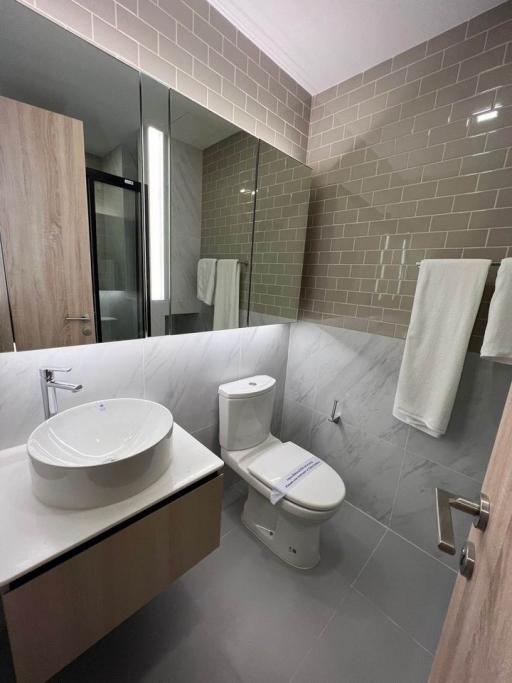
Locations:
column 245, row 412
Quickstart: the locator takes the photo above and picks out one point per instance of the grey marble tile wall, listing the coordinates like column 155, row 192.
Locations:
column 391, row 470
column 183, row 372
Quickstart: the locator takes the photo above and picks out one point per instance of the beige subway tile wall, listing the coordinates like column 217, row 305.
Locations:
column 192, row 48
column 403, row 170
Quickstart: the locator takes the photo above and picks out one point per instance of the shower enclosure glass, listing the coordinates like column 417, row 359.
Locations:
column 116, row 244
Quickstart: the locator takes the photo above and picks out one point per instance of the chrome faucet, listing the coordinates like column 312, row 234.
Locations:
column 48, row 387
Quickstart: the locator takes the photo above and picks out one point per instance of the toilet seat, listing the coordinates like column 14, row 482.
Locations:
column 322, row 489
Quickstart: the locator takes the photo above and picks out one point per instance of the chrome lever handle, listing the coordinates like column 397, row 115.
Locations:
column 83, row 318
column 444, row 502
column 60, row 369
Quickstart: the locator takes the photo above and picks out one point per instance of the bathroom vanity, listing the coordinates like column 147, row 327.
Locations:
column 68, row 577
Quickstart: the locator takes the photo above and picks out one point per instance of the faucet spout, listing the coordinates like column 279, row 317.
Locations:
column 67, row 386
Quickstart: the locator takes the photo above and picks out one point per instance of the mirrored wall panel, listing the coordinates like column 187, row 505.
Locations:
column 70, row 191
column 127, row 210
column 213, row 187
column 156, row 210
column 282, row 202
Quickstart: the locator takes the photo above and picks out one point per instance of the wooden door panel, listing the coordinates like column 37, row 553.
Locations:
column 6, row 338
column 44, row 225
column 476, row 641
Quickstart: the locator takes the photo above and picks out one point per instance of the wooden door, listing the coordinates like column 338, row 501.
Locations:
column 476, row 641
column 44, row 226
column 6, row 338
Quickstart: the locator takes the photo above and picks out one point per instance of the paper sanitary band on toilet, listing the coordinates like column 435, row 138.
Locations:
column 281, row 488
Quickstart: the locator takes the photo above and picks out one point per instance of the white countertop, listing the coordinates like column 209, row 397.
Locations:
column 32, row 534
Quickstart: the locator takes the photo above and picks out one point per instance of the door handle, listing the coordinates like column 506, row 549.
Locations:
column 444, row 502
column 83, row 318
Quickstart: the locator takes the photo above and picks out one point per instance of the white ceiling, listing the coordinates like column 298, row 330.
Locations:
column 323, row 42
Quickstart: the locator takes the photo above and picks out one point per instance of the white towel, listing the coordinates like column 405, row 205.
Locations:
column 445, row 305
column 206, row 268
column 497, row 344
column 227, row 295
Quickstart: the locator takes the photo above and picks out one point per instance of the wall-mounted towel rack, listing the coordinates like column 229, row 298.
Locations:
column 494, row 263
column 243, row 263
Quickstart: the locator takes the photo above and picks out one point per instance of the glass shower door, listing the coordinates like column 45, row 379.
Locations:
column 116, row 239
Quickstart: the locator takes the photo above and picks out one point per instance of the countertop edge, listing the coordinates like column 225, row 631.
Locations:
column 215, row 464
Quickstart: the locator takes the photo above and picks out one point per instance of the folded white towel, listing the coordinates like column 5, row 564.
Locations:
column 206, row 268
column 445, row 305
column 227, row 295
column 497, row 344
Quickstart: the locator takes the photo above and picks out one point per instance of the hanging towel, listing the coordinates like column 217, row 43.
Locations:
column 447, row 298
column 497, row 344
column 227, row 295
column 206, row 268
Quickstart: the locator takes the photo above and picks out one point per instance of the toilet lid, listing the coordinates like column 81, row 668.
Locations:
column 321, row 489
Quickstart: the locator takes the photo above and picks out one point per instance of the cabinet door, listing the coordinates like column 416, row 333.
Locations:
column 57, row 615
column 44, row 226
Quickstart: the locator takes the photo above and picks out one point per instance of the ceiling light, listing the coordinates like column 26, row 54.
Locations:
column 156, row 213
column 486, row 115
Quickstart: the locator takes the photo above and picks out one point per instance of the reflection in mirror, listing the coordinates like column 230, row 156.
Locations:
column 71, row 218
column 127, row 210
column 213, row 175
column 155, row 129
column 282, row 202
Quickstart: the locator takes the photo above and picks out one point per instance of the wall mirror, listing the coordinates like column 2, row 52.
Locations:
column 127, row 210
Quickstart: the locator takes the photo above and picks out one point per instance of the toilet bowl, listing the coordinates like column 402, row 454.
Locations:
column 291, row 527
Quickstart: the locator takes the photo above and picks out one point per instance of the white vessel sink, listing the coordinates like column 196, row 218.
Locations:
column 99, row 453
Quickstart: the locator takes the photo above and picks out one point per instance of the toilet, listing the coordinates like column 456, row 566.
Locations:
column 291, row 527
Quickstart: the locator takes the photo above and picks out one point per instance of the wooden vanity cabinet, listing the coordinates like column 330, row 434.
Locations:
column 62, row 610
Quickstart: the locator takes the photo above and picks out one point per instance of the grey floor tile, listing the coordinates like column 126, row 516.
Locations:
column 370, row 467
column 231, row 513
column 348, row 539
column 168, row 641
column 233, row 486
column 360, row 645
column 265, row 612
column 414, row 512
column 242, row 615
column 408, row 585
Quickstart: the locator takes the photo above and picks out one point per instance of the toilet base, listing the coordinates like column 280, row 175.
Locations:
column 294, row 540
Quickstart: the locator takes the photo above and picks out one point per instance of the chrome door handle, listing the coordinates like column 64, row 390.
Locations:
column 467, row 560
column 444, row 502
column 83, row 318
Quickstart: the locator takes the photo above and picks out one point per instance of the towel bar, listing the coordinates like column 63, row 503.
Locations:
column 494, row 263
